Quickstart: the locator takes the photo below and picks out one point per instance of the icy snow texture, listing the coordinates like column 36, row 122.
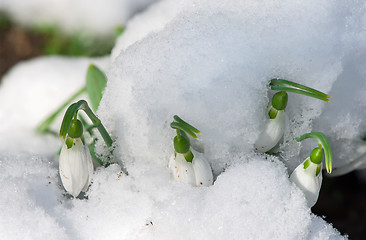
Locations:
column 30, row 92
column 95, row 17
column 152, row 20
column 210, row 63
column 121, row 207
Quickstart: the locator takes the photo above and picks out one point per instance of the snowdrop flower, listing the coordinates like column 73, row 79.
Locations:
column 308, row 175
column 275, row 126
column 277, row 119
column 75, row 166
column 198, row 172
column 184, row 166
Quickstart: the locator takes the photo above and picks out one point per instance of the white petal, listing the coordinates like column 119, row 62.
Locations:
column 306, row 180
column 181, row 169
column 202, row 170
column 272, row 133
column 89, row 162
column 74, row 167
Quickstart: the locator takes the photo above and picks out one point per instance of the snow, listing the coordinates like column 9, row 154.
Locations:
column 30, row 92
column 94, row 17
column 210, row 63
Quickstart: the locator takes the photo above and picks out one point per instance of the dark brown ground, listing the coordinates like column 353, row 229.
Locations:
column 17, row 44
column 342, row 200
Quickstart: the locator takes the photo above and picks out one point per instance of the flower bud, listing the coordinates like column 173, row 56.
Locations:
column 272, row 133
column 197, row 173
column 308, row 177
column 75, row 167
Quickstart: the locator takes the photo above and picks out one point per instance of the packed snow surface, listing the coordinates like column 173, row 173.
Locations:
column 210, row 63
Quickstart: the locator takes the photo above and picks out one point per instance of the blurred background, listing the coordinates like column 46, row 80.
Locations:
column 342, row 200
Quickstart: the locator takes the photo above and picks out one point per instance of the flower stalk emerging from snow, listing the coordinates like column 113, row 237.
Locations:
column 308, row 175
column 76, row 166
column 277, row 118
column 96, row 82
column 185, row 166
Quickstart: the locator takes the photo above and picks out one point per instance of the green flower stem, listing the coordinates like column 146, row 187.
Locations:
column 69, row 115
column 323, row 141
column 45, row 125
column 97, row 123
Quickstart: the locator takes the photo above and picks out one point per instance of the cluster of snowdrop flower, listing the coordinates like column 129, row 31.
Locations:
column 307, row 176
column 186, row 164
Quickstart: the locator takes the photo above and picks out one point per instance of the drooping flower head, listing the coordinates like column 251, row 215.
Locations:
column 184, row 165
column 75, row 166
column 308, row 175
column 276, row 117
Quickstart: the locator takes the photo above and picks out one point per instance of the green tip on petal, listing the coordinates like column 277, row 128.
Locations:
column 324, row 143
column 69, row 142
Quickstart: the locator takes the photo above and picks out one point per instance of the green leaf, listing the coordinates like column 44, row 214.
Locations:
column 187, row 125
column 282, row 82
column 45, row 125
column 285, row 85
column 96, row 82
column 119, row 31
column 184, row 128
column 299, row 91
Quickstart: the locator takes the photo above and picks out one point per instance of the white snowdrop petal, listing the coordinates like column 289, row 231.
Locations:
column 75, row 167
column 90, row 166
column 306, row 180
column 64, row 168
column 203, row 172
column 272, row 133
column 182, row 170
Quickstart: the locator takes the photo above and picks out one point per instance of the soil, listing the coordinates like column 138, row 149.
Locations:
column 342, row 200
column 17, row 44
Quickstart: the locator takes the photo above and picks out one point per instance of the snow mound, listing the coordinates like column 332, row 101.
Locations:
column 95, row 17
column 30, row 92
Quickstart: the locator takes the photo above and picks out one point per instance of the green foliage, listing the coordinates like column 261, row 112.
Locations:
column 57, row 42
column 4, row 20
column 288, row 86
column 96, row 81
